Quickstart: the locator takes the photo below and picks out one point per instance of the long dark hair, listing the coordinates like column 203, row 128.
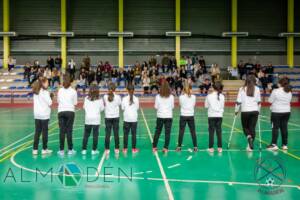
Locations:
column 165, row 91
column 250, row 83
column 93, row 92
column 130, row 89
column 111, row 90
column 218, row 86
column 285, row 83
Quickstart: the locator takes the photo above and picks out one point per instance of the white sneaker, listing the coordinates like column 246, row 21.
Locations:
column 220, row 150
column 107, row 151
column 272, row 147
column 61, row 153
column 249, row 149
column 95, row 152
column 210, row 150
column 284, row 147
column 46, row 151
column 35, row 152
column 71, row 152
column 83, row 152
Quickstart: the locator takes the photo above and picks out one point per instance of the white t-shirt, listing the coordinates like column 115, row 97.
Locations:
column 112, row 109
column 187, row 105
column 41, row 105
column 249, row 104
column 93, row 111
column 280, row 100
column 67, row 99
column 164, row 106
column 130, row 111
column 215, row 106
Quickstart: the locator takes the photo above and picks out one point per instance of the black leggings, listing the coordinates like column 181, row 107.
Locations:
column 215, row 125
column 191, row 123
column 280, row 121
column 87, row 132
column 41, row 127
column 111, row 123
column 249, row 120
column 127, row 126
column 66, row 120
column 160, row 122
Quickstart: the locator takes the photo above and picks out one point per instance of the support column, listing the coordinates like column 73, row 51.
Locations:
column 6, row 40
column 290, row 29
column 177, row 28
column 234, row 9
column 63, row 24
column 120, row 38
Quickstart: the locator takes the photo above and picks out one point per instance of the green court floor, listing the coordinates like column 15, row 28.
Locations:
column 233, row 174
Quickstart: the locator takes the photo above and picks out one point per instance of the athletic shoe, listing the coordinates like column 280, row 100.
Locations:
column 220, row 150
column 83, row 152
column 272, row 147
column 71, row 152
column 35, row 152
column 165, row 150
column 284, row 147
column 249, row 149
column 178, row 149
column 154, row 149
column 250, row 142
column 117, row 151
column 135, row 150
column 125, row 150
column 195, row 149
column 210, row 150
column 107, row 151
column 61, row 153
column 46, row 151
column 95, row 152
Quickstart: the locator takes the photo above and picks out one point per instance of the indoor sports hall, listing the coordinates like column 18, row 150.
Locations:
column 72, row 68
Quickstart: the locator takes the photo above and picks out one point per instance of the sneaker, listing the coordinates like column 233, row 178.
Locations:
column 95, row 152
column 61, row 153
column 154, row 149
column 83, row 152
column 135, row 150
column 71, row 152
column 178, row 149
column 195, row 149
column 210, row 150
column 284, row 147
column 117, row 151
column 35, row 152
column 250, row 142
column 249, row 149
column 46, row 151
column 107, row 151
column 125, row 150
column 272, row 147
column 220, row 150
column 165, row 150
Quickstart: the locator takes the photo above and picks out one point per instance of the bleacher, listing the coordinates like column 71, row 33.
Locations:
column 14, row 89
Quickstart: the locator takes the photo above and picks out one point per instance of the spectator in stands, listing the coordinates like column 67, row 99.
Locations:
column 257, row 67
column 86, row 62
column 33, row 75
column 55, row 77
column 270, row 72
column 182, row 73
column 241, row 69
column 26, row 71
column 48, row 74
column 81, row 83
column 106, row 76
column 165, row 63
column 11, row 63
column 215, row 72
column 146, row 83
column 178, row 85
column 172, row 64
column 205, row 86
column 152, row 61
column 263, row 80
column 249, row 67
column 90, row 77
column 122, row 77
column 114, row 76
column 50, row 63
column 153, row 83
column 137, row 74
column 71, row 69
column 108, row 67
column 98, row 74
column 202, row 64
column 58, row 62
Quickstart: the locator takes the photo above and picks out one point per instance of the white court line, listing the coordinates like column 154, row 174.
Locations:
column 173, row 166
column 189, row 158
column 168, row 188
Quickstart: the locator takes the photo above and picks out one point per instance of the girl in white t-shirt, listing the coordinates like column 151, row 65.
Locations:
column 93, row 106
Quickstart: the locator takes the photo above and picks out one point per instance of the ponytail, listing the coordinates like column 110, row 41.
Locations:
column 187, row 89
column 130, row 89
column 285, row 84
column 218, row 86
column 111, row 90
column 250, row 84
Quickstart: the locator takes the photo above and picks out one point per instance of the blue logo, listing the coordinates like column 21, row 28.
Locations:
column 69, row 174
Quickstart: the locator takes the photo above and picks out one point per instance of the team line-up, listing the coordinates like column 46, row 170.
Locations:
column 248, row 103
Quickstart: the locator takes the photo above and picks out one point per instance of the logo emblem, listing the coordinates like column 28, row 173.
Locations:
column 69, row 175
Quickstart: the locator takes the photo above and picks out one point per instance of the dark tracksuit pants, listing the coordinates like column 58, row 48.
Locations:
column 167, row 123
column 127, row 127
column 249, row 120
column 215, row 125
column 66, row 121
column 87, row 132
column 111, row 123
column 280, row 121
column 41, row 127
column 190, row 121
